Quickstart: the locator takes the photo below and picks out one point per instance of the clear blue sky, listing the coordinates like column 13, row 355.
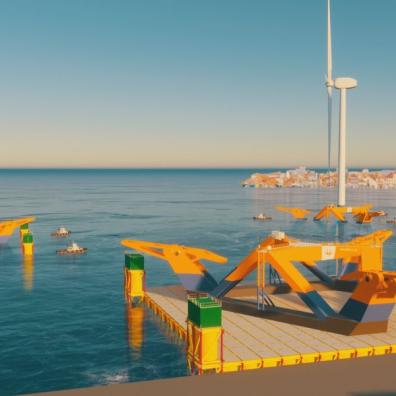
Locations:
column 191, row 83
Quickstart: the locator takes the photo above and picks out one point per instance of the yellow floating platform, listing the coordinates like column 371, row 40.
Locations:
column 252, row 342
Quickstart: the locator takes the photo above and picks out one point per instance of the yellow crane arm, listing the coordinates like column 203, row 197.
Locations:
column 184, row 261
column 7, row 227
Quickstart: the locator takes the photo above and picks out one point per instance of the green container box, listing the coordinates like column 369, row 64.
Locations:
column 204, row 312
column 28, row 238
column 25, row 226
column 134, row 261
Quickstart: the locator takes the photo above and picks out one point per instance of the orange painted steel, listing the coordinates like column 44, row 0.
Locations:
column 249, row 263
column 297, row 213
column 182, row 259
column 362, row 256
column 7, row 227
column 339, row 212
column 367, row 217
column 365, row 251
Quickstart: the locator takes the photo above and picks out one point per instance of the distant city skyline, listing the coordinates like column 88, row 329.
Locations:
column 239, row 84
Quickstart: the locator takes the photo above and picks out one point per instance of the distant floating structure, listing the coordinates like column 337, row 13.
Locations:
column 72, row 249
column 393, row 221
column 361, row 214
column 339, row 212
column 262, row 217
column 61, row 232
column 367, row 217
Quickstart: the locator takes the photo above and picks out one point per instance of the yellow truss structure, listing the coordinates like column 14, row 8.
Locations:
column 373, row 290
column 339, row 212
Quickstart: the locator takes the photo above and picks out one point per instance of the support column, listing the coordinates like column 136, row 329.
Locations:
column 342, row 150
column 134, row 277
column 23, row 230
column 27, row 244
column 204, row 335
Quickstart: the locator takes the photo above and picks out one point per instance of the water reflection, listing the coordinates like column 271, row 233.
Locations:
column 134, row 317
column 28, row 272
column 340, row 231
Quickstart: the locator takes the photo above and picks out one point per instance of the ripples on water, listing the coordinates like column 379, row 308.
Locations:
column 63, row 319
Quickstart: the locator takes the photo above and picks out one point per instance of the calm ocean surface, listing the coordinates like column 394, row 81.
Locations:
column 63, row 321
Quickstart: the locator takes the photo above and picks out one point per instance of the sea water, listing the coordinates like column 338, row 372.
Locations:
column 63, row 321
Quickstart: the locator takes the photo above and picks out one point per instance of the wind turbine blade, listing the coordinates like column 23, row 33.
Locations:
column 329, row 46
column 329, row 84
column 329, row 124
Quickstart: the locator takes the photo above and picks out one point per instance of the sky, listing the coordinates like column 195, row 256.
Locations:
column 186, row 83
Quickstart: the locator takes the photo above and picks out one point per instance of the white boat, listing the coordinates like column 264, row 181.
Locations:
column 72, row 249
column 262, row 217
column 61, row 232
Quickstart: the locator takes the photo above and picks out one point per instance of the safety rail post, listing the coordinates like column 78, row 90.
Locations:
column 260, row 280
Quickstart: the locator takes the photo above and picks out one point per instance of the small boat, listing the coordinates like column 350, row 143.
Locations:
column 72, row 249
column 391, row 221
column 262, row 217
column 61, row 232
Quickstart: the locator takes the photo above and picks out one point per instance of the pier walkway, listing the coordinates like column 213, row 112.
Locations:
column 252, row 342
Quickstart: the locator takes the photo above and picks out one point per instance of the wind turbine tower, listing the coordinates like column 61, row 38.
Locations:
column 342, row 84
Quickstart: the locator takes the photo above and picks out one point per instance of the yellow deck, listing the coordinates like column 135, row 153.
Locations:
column 253, row 342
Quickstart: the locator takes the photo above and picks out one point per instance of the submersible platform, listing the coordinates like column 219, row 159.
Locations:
column 289, row 320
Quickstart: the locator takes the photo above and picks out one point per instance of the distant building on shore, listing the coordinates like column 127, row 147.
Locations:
column 306, row 178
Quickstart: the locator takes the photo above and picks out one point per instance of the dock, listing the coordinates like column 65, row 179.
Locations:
column 254, row 342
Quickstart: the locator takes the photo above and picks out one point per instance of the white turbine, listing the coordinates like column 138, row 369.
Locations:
column 342, row 84
column 329, row 85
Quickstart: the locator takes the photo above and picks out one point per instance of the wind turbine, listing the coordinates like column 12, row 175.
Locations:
column 343, row 84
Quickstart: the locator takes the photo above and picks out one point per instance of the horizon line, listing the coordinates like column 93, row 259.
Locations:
column 192, row 168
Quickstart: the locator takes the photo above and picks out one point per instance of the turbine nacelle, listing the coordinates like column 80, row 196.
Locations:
column 345, row 83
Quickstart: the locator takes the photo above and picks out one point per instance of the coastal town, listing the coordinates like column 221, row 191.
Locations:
column 307, row 178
